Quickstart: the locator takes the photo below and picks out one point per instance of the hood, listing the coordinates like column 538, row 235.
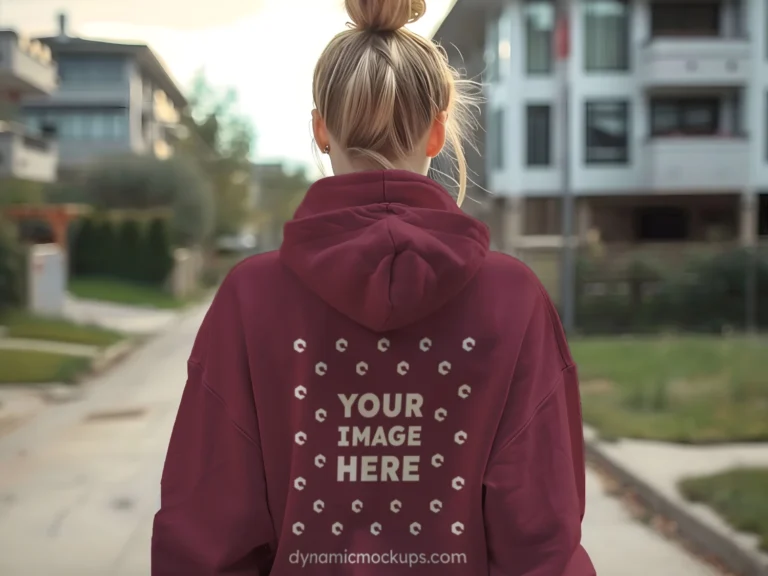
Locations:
column 384, row 248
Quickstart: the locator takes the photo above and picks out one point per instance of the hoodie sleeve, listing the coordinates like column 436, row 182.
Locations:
column 534, row 482
column 214, row 517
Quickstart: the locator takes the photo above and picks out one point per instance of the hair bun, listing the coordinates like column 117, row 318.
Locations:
column 384, row 15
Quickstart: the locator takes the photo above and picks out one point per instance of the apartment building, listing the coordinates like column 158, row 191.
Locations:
column 113, row 98
column 26, row 69
column 668, row 118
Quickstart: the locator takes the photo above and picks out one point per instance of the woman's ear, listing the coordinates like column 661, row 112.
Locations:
column 437, row 135
column 320, row 131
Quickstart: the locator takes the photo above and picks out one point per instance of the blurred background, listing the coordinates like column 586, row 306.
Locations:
column 147, row 147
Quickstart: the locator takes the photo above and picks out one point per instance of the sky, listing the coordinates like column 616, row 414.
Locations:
column 265, row 49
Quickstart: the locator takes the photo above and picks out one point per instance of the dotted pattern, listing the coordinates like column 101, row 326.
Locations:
column 444, row 368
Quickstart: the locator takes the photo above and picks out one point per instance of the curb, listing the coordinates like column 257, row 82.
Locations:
column 120, row 351
column 705, row 539
column 112, row 355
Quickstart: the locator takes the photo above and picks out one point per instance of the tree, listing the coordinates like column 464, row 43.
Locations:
column 17, row 191
column 280, row 193
column 146, row 183
column 220, row 139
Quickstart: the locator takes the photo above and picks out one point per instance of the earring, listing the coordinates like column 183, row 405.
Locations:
column 327, row 149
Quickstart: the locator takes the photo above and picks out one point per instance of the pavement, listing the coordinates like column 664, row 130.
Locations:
column 79, row 484
column 128, row 319
column 659, row 467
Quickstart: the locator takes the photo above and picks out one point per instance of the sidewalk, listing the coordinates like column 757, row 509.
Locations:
column 654, row 469
column 80, row 482
column 128, row 319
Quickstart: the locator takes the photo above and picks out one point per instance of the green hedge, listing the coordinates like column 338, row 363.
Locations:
column 127, row 249
column 12, row 267
column 703, row 294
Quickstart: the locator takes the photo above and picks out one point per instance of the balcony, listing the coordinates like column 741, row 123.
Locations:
column 26, row 157
column 695, row 61
column 696, row 164
column 26, row 67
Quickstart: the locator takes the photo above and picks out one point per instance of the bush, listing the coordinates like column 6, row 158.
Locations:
column 82, row 252
column 11, row 268
column 158, row 252
column 144, row 183
column 105, row 248
column 94, row 252
column 125, row 251
column 129, row 259
column 705, row 294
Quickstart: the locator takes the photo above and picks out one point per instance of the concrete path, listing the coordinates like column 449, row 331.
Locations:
column 64, row 348
column 662, row 466
column 79, row 484
column 129, row 319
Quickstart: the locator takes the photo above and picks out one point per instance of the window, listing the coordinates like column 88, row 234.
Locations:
column 496, row 140
column 539, row 23
column 538, row 143
column 607, row 132
column 492, row 64
column 606, row 33
column 97, row 125
column 690, row 116
column 685, row 19
column 89, row 70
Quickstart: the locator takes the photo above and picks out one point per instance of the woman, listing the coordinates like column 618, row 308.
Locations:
column 385, row 395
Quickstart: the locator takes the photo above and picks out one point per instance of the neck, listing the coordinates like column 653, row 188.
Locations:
column 342, row 165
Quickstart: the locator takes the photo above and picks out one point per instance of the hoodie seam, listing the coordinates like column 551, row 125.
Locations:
column 389, row 212
column 391, row 267
column 208, row 388
column 560, row 379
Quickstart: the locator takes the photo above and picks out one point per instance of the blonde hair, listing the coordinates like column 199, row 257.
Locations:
column 379, row 87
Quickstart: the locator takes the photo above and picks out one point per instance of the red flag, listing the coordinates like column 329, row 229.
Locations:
column 562, row 39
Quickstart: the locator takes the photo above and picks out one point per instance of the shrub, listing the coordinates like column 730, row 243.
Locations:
column 11, row 267
column 145, row 183
column 705, row 294
column 82, row 249
column 158, row 252
column 128, row 259
column 103, row 248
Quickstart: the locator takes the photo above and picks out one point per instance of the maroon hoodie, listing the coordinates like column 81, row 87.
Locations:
column 383, row 396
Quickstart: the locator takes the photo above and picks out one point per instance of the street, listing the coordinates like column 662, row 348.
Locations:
column 79, row 489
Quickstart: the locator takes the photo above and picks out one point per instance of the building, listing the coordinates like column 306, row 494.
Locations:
column 26, row 69
column 112, row 99
column 668, row 118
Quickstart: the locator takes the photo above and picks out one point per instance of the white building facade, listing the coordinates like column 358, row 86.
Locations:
column 668, row 118
column 26, row 69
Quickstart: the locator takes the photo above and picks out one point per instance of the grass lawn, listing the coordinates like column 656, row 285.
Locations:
column 680, row 389
column 22, row 325
column 739, row 496
column 25, row 367
column 107, row 290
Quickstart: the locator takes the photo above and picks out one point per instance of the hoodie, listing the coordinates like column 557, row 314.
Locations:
column 382, row 396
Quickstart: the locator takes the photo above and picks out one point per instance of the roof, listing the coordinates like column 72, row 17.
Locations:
column 439, row 25
column 464, row 22
column 147, row 59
